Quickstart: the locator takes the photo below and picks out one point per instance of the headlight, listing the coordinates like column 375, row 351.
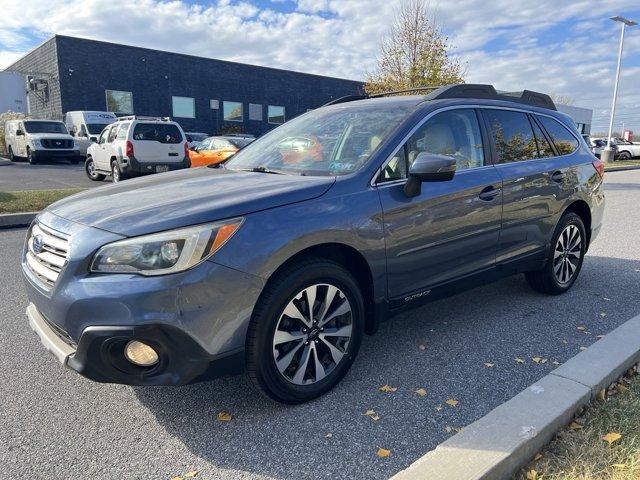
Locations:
column 35, row 143
column 166, row 252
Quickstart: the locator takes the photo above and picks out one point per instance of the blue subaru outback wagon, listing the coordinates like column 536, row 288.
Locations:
column 279, row 261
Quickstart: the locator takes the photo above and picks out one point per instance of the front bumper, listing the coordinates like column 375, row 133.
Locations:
column 198, row 319
column 99, row 354
column 56, row 154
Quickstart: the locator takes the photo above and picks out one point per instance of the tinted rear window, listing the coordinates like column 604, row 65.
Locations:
column 562, row 138
column 157, row 132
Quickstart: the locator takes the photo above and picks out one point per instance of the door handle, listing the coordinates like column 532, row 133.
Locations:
column 557, row 176
column 489, row 193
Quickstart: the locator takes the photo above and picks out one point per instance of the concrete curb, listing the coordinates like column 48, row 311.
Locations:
column 621, row 169
column 11, row 220
column 508, row 437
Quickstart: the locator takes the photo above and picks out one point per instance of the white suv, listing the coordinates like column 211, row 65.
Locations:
column 134, row 146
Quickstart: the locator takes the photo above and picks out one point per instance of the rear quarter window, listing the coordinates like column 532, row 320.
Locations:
column 560, row 135
column 157, row 132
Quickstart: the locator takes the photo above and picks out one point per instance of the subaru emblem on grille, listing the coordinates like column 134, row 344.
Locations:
column 58, row 143
column 37, row 243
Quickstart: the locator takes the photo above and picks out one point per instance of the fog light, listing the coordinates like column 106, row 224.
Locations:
column 140, row 354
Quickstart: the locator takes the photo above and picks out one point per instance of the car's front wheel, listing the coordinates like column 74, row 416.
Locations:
column 565, row 257
column 90, row 169
column 305, row 331
column 12, row 157
column 31, row 158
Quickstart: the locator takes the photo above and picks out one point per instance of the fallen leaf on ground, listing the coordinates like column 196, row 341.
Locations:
column 556, row 363
column 619, row 466
column 519, row 360
column 532, row 475
column 488, row 365
column 177, row 477
column 583, row 348
column 448, row 429
column 388, row 389
column 602, row 314
column 602, row 394
column 538, row 359
column 565, row 342
column 422, row 347
column 582, row 328
column 439, row 407
column 383, row 452
column 191, row 474
column 421, row 391
column 605, row 298
column 372, row 415
column 452, row 402
column 224, row 416
column 600, row 336
column 328, row 435
column 611, row 437
column 575, row 426
column 621, row 387
column 537, row 457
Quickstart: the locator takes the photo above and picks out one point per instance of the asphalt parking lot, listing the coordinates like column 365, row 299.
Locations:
column 21, row 175
column 55, row 424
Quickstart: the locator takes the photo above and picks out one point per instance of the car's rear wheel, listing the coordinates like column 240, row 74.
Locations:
column 564, row 260
column 305, row 331
column 116, row 174
column 90, row 169
column 624, row 155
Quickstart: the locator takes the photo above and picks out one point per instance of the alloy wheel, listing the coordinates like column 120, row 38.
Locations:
column 91, row 169
column 566, row 256
column 313, row 334
column 115, row 173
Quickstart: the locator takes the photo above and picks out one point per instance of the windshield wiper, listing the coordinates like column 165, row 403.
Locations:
column 262, row 169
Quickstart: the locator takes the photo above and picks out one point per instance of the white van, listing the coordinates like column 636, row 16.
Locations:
column 134, row 146
column 85, row 126
column 38, row 140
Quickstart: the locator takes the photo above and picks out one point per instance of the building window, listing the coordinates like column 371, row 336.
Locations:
column 232, row 111
column 183, row 107
column 119, row 102
column 275, row 114
column 255, row 111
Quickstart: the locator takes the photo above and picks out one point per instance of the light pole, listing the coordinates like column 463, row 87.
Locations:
column 607, row 154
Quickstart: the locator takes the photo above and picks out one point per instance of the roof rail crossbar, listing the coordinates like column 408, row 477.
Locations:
column 464, row 90
column 142, row 117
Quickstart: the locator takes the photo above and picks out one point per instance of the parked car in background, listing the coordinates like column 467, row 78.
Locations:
column 626, row 149
column 134, row 146
column 39, row 140
column 597, row 145
column 214, row 150
column 194, row 138
column 85, row 126
column 280, row 267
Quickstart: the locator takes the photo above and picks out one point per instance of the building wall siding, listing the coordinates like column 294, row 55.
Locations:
column 42, row 63
column 88, row 68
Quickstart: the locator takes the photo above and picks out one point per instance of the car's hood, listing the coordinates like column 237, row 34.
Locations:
column 186, row 197
column 58, row 136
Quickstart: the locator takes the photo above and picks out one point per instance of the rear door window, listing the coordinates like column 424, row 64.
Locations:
column 512, row 135
column 157, row 132
column 544, row 147
column 122, row 131
column 562, row 138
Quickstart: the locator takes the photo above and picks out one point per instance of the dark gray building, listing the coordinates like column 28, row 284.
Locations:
column 202, row 94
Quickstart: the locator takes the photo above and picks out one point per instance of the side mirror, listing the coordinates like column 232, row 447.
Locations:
column 428, row 167
column 94, row 139
column 72, row 133
column 19, row 132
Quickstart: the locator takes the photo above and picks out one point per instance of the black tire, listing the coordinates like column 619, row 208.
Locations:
column 30, row 157
column 261, row 364
column 95, row 176
column 546, row 280
column 624, row 155
column 116, row 173
column 12, row 157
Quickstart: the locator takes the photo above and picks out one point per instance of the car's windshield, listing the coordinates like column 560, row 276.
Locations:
column 45, row 127
column 328, row 141
column 96, row 128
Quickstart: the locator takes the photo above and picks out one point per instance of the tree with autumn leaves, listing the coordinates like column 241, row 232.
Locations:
column 414, row 53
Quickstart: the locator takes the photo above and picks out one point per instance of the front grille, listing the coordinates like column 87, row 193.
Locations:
column 46, row 255
column 56, row 143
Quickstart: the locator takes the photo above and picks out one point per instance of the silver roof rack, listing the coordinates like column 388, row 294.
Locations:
column 141, row 117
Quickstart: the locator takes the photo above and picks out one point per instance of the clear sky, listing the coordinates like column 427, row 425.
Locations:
column 554, row 46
